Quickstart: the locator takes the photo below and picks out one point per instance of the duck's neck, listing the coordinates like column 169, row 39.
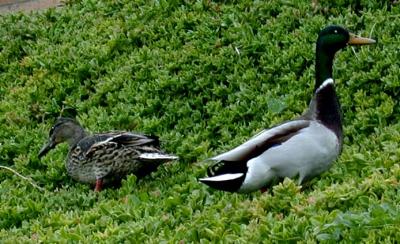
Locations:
column 78, row 133
column 323, row 66
column 326, row 106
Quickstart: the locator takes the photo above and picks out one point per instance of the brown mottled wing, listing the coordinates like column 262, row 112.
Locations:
column 113, row 141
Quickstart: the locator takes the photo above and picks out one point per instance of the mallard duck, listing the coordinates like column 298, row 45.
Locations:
column 102, row 158
column 304, row 147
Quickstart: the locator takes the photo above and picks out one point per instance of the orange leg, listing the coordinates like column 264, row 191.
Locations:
column 99, row 185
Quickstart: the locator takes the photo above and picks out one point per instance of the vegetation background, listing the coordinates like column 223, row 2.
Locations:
column 204, row 76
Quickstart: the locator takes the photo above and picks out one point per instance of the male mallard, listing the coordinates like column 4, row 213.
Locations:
column 304, row 147
column 105, row 157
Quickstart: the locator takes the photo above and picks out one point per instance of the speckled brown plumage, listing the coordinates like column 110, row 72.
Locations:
column 106, row 157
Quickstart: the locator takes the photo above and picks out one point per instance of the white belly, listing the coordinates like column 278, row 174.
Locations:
column 307, row 154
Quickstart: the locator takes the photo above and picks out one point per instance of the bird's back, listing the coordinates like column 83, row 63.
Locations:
column 112, row 155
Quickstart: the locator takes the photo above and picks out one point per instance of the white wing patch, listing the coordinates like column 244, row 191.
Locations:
column 224, row 177
column 156, row 156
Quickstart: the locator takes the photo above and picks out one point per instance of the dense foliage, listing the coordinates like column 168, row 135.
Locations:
column 204, row 76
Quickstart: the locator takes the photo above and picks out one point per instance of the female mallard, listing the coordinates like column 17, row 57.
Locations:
column 105, row 157
column 304, row 147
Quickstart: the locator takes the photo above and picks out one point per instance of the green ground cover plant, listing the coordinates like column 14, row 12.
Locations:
column 204, row 76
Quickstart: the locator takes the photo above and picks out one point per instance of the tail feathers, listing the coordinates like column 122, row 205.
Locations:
column 157, row 157
column 222, row 178
column 227, row 167
column 226, row 176
column 225, row 182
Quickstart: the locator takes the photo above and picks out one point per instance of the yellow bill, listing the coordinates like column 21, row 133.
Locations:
column 358, row 40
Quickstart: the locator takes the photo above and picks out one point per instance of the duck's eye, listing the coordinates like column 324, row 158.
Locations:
column 335, row 31
column 51, row 131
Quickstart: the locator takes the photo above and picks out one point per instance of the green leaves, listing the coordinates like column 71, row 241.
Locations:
column 205, row 77
column 359, row 224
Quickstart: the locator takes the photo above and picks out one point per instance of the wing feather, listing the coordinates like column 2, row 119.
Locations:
column 262, row 141
column 113, row 140
column 128, row 138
